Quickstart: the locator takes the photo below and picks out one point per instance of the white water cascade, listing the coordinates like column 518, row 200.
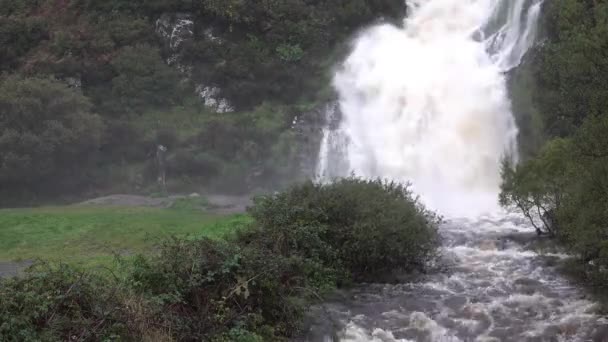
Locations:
column 428, row 104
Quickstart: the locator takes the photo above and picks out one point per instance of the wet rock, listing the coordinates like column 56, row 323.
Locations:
column 211, row 96
column 175, row 29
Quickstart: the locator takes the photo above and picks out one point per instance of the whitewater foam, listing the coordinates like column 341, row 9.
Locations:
column 427, row 103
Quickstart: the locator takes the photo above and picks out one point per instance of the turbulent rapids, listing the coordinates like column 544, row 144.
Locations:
column 492, row 290
column 427, row 103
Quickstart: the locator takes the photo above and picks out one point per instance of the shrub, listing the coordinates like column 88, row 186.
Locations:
column 353, row 226
column 61, row 304
column 538, row 186
column 209, row 289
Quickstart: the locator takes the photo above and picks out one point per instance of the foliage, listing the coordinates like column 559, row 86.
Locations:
column 61, row 304
column 567, row 65
column 538, row 186
column 18, row 35
column 210, row 287
column 585, row 213
column 358, row 228
column 144, row 80
column 44, row 127
column 564, row 192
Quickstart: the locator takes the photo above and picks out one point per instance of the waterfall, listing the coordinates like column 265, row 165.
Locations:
column 427, row 103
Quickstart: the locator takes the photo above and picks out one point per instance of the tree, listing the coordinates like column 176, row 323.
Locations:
column 46, row 131
column 537, row 187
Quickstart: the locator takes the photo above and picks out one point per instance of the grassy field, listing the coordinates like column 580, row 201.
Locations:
column 94, row 235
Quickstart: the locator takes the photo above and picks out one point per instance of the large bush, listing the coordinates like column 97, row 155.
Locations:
column 360, row 228
column 207, row 288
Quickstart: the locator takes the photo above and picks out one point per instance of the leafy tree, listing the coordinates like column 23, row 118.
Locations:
column 537, row 187
column 45, row 127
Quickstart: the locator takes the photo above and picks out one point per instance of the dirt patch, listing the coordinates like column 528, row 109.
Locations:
column 218, row 204
column 132, row 201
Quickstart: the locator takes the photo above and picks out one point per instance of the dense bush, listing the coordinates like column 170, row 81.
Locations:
column 62, row 304
column 207, row 288
column 358, row 227
column 538, row 186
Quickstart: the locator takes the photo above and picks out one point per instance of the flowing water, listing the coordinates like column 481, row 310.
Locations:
column 428, row 104
column 490, row 289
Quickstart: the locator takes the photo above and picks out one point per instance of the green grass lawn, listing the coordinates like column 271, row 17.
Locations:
column 94, row 235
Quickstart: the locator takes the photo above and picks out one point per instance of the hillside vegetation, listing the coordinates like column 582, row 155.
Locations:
column 90, row 88
column 562, row 184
